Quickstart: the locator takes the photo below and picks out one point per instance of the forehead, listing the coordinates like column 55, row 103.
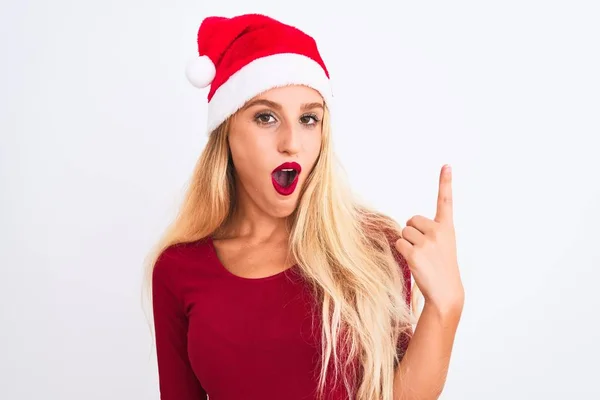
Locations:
column 291, row 96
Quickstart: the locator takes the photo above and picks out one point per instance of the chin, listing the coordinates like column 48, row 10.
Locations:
column 283, row 208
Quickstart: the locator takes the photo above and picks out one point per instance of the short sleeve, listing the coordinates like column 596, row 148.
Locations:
column 177, row 380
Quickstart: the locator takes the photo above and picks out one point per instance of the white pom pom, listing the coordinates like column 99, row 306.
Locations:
column 200, row 71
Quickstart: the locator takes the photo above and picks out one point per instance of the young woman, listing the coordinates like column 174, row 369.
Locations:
column 273, row 282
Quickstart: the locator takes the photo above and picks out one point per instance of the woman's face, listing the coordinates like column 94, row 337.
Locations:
column 275, row 140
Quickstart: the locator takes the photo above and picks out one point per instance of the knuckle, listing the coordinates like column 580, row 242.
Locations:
column 430, row 242
column 433, row 237
column 433, row 233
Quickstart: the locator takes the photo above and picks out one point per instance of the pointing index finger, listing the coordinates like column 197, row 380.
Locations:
column 444, row 201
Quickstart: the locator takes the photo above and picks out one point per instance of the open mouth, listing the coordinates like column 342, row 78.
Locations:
column 285, row 178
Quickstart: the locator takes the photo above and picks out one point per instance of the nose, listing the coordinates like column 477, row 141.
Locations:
column 289, row 139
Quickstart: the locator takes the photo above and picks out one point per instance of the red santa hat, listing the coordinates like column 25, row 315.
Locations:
column 244, row 56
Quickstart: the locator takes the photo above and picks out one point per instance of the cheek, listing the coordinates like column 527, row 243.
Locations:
column 249, row 161
column 313, row 149
column 243, row 161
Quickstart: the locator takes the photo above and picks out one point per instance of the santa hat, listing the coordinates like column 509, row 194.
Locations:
column 244, row 56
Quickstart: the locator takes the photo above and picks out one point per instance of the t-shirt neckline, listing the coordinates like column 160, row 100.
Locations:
column 227, row 272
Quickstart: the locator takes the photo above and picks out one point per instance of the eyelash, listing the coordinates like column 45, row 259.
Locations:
column 259, row 116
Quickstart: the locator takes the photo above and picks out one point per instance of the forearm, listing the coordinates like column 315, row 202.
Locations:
column 421, row 375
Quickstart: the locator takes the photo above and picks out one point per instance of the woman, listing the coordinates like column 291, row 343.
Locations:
column 273, row 283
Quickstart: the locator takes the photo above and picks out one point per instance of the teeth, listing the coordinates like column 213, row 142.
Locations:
column 287, row 169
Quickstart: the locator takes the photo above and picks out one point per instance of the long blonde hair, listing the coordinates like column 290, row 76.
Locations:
column 342, row 249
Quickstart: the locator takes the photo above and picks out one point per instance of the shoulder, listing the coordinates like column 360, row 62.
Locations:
column 175, row 261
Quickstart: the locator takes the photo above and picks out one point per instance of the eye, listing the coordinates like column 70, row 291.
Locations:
column 264, row 118
column 309, row 119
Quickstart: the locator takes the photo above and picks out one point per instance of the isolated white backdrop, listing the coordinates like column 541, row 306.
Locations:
column 100, row 131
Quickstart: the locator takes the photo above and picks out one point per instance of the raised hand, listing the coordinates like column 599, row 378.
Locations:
column 429, row 247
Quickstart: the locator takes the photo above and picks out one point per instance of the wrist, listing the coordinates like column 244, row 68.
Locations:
column 446, row 309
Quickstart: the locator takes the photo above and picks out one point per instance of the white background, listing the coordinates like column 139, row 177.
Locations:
column 100, row 131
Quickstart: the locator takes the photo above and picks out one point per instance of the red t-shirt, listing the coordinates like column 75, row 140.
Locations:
column 231, row 337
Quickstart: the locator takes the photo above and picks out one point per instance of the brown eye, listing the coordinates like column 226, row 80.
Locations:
column 309, row 119
column 265, row 118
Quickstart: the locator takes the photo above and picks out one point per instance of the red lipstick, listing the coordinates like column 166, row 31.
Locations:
column 285, row 177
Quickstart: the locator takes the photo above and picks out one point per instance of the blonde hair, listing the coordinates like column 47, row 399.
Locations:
column 342, row 249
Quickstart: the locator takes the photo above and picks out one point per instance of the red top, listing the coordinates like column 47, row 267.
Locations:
column 232, row 337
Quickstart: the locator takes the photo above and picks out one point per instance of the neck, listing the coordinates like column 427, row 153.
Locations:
column 253, row 224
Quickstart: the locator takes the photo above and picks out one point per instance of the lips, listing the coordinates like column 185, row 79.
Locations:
column 285, row 177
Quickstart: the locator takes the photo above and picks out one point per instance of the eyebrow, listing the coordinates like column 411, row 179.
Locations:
column 277, row 106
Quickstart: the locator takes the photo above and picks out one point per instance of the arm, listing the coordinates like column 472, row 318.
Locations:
column 177, row 380
column 429, row 246
column 422, row 372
